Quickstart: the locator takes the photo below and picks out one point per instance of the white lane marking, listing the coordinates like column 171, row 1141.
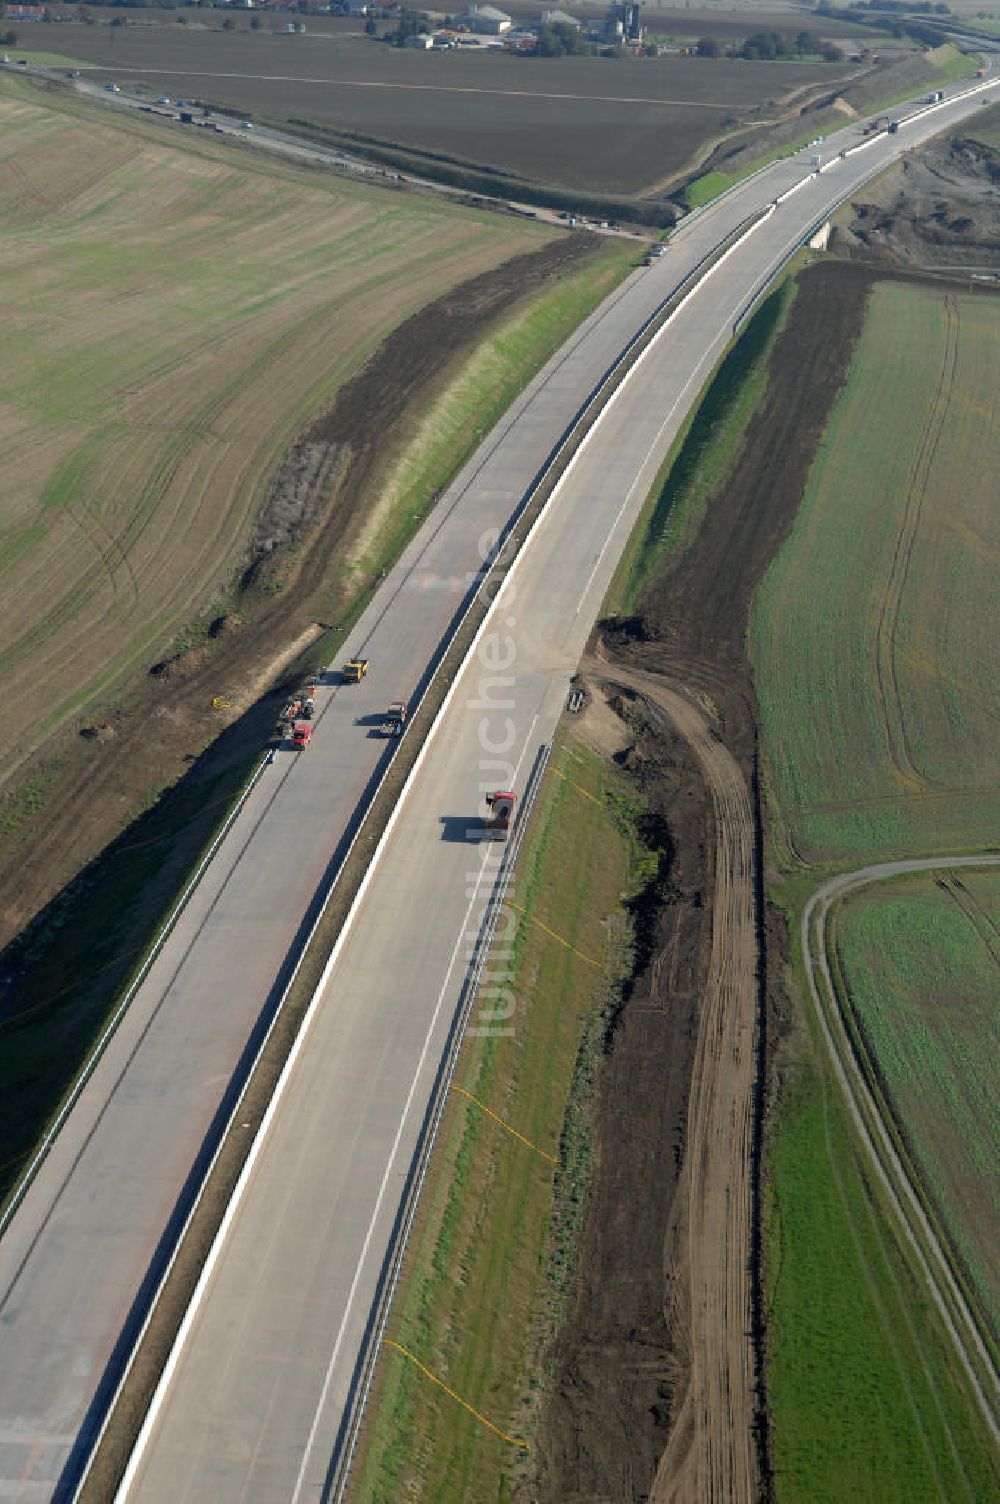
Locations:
column 335, row 1355
column 635, row 366
column 631, row 490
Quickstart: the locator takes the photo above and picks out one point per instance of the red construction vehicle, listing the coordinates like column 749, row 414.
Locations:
column 301, row 736
column 395, row 719
column 501, row 817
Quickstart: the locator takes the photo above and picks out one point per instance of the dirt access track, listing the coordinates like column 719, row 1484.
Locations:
column 711, row 1453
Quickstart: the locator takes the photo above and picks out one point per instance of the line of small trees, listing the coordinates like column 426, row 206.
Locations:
column 771, row 45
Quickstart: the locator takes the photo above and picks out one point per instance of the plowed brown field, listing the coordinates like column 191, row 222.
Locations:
column 586, row 124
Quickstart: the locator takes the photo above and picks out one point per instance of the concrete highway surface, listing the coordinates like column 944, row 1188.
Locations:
column 257, row 1402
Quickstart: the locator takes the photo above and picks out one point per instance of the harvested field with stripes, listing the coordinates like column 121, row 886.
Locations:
column 176, row 320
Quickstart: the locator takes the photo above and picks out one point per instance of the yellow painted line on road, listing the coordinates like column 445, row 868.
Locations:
column 505, row 1126
column 589, row 959
column 579, row 787
column 515, row 1441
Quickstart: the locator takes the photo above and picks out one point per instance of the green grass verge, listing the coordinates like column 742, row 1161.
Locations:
column 478, row 394
column 866, row 1399
column 491, row 1255
column 702, row 455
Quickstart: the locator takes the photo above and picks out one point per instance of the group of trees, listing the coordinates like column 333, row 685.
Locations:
column 919, row 8
column 770, row 45
column 560, row 39
column 411, row 24
column 888, row 15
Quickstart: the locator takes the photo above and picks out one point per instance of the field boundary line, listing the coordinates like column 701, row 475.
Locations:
column 504, row 1125
column 515, row 1441
column 565, row 943
column 578, row 786
column 874, row 1131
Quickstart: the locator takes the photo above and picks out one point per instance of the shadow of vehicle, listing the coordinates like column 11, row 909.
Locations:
column 463, row 828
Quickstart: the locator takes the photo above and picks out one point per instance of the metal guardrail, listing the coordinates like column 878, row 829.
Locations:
column 420, row 1163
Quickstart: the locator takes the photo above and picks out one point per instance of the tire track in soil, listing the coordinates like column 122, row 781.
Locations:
column 982, row 922
column 711, row 1454
column 888, row 695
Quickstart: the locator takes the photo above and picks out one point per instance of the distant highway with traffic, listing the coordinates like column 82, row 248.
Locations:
column 257, row 1406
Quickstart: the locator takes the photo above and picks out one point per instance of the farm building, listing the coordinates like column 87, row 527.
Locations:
column 559, row 18
column 486, row 20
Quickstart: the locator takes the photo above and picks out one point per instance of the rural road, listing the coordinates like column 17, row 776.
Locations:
column 710, row 1454
column 259, row 1396
column 873, row 1129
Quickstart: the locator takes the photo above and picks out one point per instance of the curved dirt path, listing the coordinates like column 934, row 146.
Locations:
column 711, row 1452
column 873, row 1131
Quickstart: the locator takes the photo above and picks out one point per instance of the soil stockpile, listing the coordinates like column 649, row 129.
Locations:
column 939, row 208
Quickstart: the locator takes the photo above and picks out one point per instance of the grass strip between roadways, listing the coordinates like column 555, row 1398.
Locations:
column 491, row 1253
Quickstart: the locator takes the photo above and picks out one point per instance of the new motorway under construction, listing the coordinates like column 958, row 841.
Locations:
column 264, row 1385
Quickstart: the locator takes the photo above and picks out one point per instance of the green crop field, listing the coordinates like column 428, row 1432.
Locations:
column 920, row 963
column 874, row 639
column 173, row 315
column 867, row 1399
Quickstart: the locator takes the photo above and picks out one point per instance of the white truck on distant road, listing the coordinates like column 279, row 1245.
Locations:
column 395, row 719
